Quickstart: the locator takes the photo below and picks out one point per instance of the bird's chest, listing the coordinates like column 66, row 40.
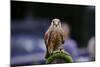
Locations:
column 55, row 36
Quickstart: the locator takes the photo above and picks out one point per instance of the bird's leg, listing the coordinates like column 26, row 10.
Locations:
column 60, row 48
column 50, row 51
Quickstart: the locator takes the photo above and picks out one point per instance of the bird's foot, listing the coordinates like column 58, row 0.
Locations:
column 61, row 49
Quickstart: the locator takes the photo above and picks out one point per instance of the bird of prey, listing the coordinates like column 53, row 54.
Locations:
column 54, row 37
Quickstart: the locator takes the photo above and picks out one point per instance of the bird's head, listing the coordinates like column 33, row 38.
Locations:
column 56, row 22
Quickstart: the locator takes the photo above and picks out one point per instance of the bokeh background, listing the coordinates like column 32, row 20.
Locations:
column 30, row 20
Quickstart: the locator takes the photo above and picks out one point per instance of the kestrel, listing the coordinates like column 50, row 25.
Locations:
column 54, row 37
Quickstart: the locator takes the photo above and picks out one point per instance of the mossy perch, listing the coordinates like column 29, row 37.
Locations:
column 59, row 56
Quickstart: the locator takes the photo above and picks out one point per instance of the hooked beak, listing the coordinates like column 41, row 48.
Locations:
column 56, row 24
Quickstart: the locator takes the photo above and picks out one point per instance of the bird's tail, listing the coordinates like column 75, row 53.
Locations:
column 47, row 55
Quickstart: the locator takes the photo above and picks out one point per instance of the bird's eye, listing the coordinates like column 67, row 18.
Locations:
column 53, row 21
column 58, row 22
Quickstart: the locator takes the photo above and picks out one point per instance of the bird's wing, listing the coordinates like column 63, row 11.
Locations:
column 62, row 36
column 46, row 37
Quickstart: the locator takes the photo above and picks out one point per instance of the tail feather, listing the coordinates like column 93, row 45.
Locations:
column 47, row 55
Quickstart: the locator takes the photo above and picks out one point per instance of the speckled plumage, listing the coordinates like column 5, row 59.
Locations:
column 54, row 37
